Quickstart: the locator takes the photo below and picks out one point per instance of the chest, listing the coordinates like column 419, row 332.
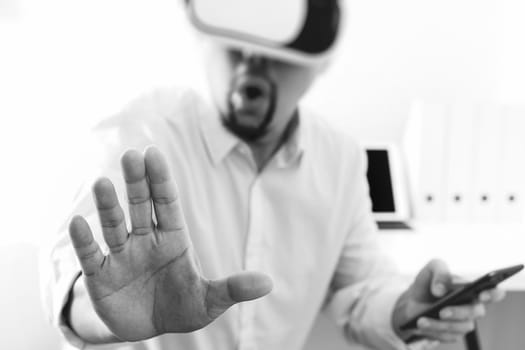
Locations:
column 271, row 221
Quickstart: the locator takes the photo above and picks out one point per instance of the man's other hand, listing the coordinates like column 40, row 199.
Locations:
column 432, row 283
column 150, row 282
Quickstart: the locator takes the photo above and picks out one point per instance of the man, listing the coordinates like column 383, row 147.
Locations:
column 269, row 202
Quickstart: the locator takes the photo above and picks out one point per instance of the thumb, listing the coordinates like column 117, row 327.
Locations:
column 432, row 281
column 235, row 289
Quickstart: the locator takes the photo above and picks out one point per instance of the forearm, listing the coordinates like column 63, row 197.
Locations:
column 83, row 319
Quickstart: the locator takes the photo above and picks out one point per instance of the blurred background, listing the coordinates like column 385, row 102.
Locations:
column 64, row 65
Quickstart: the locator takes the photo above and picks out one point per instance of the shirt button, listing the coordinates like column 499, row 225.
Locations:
column 243, row 149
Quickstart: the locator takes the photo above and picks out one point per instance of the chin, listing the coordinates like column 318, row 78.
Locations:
column 248, row 133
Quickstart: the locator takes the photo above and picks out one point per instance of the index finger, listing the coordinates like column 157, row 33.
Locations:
column 492, row 295
column 436, row 276
column 164, row 192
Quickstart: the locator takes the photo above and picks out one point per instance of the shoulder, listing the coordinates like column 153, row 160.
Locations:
column 162, row 117
column 155, row 107
column 149, row 118
column 331, row 144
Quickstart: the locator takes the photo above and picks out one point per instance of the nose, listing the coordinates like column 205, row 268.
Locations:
column 253, row 60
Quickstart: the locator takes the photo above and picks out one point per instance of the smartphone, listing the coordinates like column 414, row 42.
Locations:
column 465, row 294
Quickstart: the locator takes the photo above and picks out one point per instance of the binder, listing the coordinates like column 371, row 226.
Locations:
column 512, row 186
column 459, row 163
column 428, row 163
column 488, row 163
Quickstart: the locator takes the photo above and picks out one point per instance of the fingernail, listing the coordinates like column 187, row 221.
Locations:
column 423, row 323
column 439, row 289
column 447, row 313
column 484, row 296
column 434, row 343
column 482, row 312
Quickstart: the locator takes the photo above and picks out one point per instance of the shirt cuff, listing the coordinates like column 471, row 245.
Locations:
column 365, row 313
column 377, row 330
column 61, row 297
column 388, row 301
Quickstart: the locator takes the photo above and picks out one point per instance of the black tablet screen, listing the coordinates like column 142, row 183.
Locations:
column 380, row 181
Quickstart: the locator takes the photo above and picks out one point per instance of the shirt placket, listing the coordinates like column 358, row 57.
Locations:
column 252, row 262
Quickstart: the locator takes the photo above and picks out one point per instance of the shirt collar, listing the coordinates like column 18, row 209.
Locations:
column 220, row 142
column 294, row 146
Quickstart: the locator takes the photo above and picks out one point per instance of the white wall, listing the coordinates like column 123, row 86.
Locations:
column 446, row 51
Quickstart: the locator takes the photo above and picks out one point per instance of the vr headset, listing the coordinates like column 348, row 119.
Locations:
column 298, row 31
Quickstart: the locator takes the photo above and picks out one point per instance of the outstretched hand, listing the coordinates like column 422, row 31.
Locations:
column 150, row 282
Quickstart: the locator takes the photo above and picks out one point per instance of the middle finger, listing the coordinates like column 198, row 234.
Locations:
column 438, row 326
column 139, row 198
column 462, row 313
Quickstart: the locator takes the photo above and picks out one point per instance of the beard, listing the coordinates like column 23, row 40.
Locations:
column 251, row 103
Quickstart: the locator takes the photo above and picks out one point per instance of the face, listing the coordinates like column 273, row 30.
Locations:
column 256, row 96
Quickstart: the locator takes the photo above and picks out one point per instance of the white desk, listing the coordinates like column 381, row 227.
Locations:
column 470, row 250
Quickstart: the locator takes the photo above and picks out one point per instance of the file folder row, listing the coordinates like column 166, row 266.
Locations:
column 466, row 162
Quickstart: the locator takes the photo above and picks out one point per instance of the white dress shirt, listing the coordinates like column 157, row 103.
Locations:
column 305, row 220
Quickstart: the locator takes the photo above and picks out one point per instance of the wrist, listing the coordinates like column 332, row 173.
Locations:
column 81, row 317
column 400, row 315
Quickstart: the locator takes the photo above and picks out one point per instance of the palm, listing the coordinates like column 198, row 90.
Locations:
column 146, row 286
column 150, row 283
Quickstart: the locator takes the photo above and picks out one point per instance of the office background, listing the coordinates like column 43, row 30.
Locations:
column 66, row 64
